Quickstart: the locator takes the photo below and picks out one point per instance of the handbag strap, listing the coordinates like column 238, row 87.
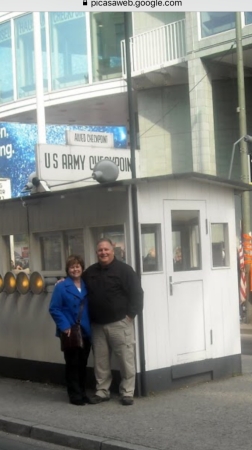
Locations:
column 80, row 312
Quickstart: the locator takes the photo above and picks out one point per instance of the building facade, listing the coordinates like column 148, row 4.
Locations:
column 184, row 79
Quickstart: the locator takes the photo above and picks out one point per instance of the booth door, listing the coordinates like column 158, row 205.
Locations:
column 186, row 254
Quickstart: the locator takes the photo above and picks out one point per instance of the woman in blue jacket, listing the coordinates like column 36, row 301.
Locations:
column 64, row 308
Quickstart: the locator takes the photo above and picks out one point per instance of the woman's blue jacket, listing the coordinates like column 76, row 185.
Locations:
column 65, row 306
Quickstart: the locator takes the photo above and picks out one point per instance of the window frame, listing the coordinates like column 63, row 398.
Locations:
column 226, row 245
column 158, row 247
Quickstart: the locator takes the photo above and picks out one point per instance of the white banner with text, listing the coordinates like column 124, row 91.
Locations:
column 58, row 164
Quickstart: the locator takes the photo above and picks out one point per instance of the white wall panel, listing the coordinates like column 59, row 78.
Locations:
column 157, row 340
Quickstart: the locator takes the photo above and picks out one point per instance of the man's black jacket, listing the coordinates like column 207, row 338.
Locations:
column 114, row 291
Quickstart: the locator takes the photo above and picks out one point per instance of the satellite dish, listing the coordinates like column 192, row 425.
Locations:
column 105, row 171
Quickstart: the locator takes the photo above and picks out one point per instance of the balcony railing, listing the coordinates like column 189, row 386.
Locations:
column 155, row 49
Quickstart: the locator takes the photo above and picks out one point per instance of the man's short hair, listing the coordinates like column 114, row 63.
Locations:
column 104, row 240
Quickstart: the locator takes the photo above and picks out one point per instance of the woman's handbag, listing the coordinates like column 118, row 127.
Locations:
column 75, row 339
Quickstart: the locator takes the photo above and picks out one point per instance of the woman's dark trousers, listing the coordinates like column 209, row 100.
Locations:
column 75, row 370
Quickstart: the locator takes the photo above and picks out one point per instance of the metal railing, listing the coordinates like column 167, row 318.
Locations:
column 156, row 48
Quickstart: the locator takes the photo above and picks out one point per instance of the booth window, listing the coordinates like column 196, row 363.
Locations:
column 220, row 244
column 56, row 247
column 74, row 243
column 186, row 240
column 116, row 235
column 18, row 250
column 51, row 251
column 151, row 247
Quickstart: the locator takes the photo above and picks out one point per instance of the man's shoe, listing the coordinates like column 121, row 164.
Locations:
column 127, row 401
column 78, row 402
column 97, row 399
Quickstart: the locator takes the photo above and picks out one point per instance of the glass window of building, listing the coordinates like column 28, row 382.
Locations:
column 216, row 22
column 68, row 40
column 220, row 245
column 44, row 51
column 151, row 247
column 186, row 241
column 107, row 32
column 248, row 18
column 6, row 77
column 25, row 56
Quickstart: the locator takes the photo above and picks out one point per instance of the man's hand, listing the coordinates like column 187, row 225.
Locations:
column 129, row 318
column 59, row 281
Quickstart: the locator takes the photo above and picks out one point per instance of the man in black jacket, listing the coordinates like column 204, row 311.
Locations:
column 115, row 298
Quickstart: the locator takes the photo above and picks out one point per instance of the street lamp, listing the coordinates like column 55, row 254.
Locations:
column 246, row 138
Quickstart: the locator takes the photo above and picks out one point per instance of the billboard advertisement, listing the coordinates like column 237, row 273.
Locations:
column 18, row 142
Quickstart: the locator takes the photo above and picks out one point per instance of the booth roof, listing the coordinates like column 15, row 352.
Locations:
column 237, row 186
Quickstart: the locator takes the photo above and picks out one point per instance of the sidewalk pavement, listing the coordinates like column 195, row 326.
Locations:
column 207, row 416
column 246, row 328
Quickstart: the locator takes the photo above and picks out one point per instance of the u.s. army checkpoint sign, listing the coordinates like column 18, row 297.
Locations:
column 61, row 163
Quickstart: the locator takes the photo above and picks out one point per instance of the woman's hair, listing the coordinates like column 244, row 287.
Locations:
column 74, row 259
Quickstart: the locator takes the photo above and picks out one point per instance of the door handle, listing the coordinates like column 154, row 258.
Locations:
column 171, row 284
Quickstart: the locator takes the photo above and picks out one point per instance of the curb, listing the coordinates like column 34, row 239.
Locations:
column 69, row 439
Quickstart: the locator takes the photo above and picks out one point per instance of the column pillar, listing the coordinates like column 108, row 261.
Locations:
column 202, row 118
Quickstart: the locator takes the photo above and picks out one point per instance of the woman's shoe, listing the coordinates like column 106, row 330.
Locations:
column 78, row 402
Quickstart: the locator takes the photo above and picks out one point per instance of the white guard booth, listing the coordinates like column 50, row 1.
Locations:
column 189, row 330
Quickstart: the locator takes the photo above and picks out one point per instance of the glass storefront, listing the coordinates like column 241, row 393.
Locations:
column 216, row 22
column 6, row 78
column 68, row 38
column 107, row 32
